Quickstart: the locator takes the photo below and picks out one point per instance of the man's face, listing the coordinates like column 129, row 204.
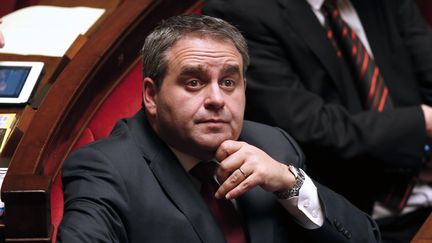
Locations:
column 201, row 100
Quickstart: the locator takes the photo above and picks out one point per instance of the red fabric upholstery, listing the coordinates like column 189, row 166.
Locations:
column 124, row 101
column 197, row 11
column 56, row 204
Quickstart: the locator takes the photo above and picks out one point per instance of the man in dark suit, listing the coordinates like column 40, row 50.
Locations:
column 297, row 81
column 135, row 186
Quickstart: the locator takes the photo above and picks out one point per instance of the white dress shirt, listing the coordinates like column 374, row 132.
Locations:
column 348, row 14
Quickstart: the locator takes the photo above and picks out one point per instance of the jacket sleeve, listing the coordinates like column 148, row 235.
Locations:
column 343, row 221
column 94, row 196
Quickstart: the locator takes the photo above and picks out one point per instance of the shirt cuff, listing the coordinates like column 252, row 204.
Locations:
column 306, row 207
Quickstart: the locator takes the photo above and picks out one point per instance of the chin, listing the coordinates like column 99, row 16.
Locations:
column 208, row 146
column 202, row 152
column 214, row 140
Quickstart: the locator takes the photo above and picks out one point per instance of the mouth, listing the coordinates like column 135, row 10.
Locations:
column 212, row 121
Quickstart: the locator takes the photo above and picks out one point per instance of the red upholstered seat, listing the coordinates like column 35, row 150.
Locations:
column 124, row 101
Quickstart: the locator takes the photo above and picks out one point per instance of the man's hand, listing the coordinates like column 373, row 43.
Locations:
column 243, row 166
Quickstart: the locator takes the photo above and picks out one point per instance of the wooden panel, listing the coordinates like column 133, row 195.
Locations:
column 25, row 112
column 425, row 233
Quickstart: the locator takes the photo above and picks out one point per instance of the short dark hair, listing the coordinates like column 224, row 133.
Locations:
column 169, row 31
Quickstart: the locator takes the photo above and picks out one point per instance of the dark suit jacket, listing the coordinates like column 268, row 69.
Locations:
column 296, row 82
column 131, row 188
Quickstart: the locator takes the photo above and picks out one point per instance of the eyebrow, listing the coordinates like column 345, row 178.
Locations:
column 191, row 70
column 199, row 70
column 230, row 69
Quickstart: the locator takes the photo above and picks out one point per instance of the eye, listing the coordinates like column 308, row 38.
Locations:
column 193, row 84
column 227, row 83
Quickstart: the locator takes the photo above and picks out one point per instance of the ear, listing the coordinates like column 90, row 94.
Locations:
column 150, row 96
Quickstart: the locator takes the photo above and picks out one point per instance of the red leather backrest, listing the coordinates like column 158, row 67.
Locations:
column 124, row 101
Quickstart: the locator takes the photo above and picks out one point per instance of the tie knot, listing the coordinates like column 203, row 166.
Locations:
column 204, row 171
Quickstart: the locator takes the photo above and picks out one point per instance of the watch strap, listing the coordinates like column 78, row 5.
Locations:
column 295, row 190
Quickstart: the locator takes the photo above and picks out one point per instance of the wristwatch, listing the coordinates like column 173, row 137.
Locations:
column 294, row 191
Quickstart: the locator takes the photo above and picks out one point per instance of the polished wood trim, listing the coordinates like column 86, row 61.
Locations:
column 425, row 233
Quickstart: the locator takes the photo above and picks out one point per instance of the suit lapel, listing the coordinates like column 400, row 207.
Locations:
column 178, row 186
column 301, row 18
column 175, row 181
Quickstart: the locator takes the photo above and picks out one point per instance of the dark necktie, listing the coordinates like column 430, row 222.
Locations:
column 348, row 46
column 372, row 86
column 222, row 209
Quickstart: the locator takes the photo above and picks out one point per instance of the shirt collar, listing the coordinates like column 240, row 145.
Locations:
column 316, row 4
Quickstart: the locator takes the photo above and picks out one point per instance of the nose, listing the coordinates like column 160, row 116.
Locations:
column 214, row 97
